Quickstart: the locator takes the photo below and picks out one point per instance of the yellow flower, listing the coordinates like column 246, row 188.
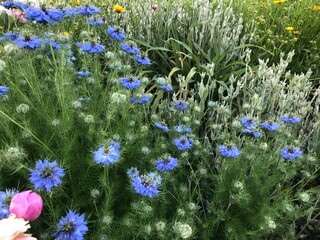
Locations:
column 316, row 8
column 76, row 2
column 118, row 8
column 296, row 32
column 66, row 34
column 289, row 28
column 262, row 5
column 278, row 1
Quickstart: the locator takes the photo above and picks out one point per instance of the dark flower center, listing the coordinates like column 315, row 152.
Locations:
column 27, row 38
column 290, row 150
column 106, row 150
column 183, row 140
column 47, row 173
column 68, row 227
column 145, row 181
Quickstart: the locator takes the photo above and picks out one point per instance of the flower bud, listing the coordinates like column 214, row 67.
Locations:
column 27, row 205
column 22, row 108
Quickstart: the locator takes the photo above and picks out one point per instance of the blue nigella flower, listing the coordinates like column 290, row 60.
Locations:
column 28, row 42
column 130, row 48
column 55, row 45
column 71, row 227
column 46, row 175
column 116, row 33
column 84, row 99
column 37, row 15
column 271, row 126
column 5, row 200
column 70, row 12
column 255, row 133
column 88, row 10
column 140, row 99
column 91, row 47
column 107, row 154
column 11, row 36
column 143, row 60
column 9, row 4
column 290, row 153
column 95, row 22
column 290, row 119
column 166, row 163
column 83, row 73
column 229, row 151
column 248, row 122
column 166, row 88
column 183, row 142
column 55, row 15
column 3, row 90
column 162, row 126
column 145, row 185
column 180, row 105
column 130, row 83
column 182, row 129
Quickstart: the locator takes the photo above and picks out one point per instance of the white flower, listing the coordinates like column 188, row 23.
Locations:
column 184, row 230
column 12, row 228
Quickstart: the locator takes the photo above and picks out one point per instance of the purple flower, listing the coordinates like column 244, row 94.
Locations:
column 145, row 185
column 91, row 47
column 290, row 119
column 229, row 151
column 166, row 163
column 290, row 153
column 183, row 142
column 255, row 133
column 143, row 60
column 116, row 34
column 180, row 105
column 107, row 154
column 140, row 99
column 130, row 48
column 271, row 126
column 130, row 83
column 162, row 126
column 248, row 122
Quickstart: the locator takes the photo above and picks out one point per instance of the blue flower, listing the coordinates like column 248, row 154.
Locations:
column 71, row 227
column 255, row 133
column 11, row 36
column 166, row 163
column 130, row 48
column 5, row 200
column 248, row 122
column 290, row 119
column 290, row 153
column 95, row 22
column 143, row 60
column 46, row 175
column 88, row 10
column 116, row 34
column 28, row 42
column 130, row 83
column 9, row 4
column 140, row 99
column 182, row 129
column 145, row 185
column 3, row 90
column 55, row 45
column 107, row 154
column 166, row 88
column 83, row 73
column 37, row 15
column 271, row 126
column 183, row 142
column 91, row 47
column 229, row 151
column 162, row 126
column 84, row 99
column 180, row 105
column 55, row 15
column 70, row 12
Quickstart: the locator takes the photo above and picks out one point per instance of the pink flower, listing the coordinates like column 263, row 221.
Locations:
column 154, row 7
column 13, row 228
column 27, row 205
column 19, row 15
